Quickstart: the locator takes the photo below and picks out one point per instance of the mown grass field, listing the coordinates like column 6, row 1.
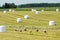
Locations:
column 41, row 21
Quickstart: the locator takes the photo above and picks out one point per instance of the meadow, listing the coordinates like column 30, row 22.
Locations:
column 40, row 21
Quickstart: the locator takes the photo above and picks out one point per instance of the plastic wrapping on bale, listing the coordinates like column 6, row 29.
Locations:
column 19, row 20
column 37, row 12
column 51, row 23
column 13, row 10
column 10, row 10
column 4, row 11
column 2, row 28
column 42, row 10
column 26, row 16
column 57, row 10
column 32, row 10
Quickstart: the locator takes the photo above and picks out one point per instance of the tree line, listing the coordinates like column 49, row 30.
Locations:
column 40, row 5
column 13, row 5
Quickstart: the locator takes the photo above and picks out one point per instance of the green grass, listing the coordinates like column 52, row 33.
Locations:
column 37, row 8
column 41, row 20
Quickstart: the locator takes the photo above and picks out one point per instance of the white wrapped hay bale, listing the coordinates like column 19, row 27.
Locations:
column 26, row 16
column 2, row 28
column 51, row 23
column 19, row 20
column 4, row 11
column 42, row 10
column 10, row 10
column 57, row 10
column 33, row 10
column 13, row 10
column 37, row 12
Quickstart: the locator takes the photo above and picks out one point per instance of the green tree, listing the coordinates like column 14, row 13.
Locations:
column 9, row 5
